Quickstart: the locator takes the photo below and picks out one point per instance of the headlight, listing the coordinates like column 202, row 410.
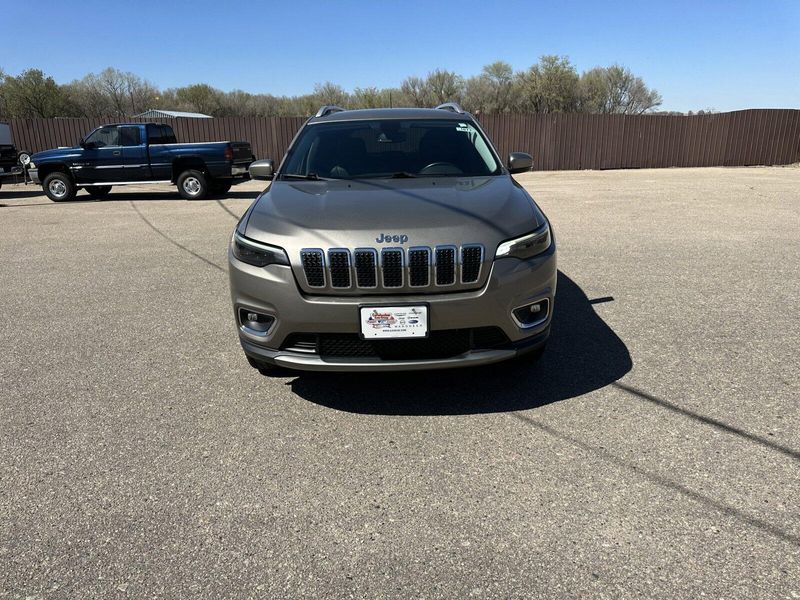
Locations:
column 526, row 246
column 256, row 253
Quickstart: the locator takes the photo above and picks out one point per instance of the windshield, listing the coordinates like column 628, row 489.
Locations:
column 390, row 148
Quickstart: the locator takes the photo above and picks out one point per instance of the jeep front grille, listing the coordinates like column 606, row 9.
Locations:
column 394, row 270
column 314, row 267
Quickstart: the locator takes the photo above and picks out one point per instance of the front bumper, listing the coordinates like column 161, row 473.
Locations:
column 33, row 174
column 272, row 290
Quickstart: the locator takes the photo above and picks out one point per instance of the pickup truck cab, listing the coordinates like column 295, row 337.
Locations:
column 140, row 153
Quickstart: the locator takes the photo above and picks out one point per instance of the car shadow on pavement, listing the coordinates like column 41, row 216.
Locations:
column 583, row 354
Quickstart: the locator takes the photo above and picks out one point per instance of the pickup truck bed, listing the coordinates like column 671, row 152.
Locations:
column 135, row 153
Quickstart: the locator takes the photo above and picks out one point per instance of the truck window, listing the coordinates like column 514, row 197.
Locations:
column 129, row 136
column 105, row 136
column 168, row 135
column 160, row 134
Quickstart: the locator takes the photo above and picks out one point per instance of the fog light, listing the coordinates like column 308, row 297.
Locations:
column 530, row 315
column 255, row 322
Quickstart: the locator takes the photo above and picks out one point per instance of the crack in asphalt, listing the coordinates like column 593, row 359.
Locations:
column 664, row 481
column 175, row 242
column 791, row 453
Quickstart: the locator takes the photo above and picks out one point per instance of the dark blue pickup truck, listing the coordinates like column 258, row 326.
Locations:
column 136, row 153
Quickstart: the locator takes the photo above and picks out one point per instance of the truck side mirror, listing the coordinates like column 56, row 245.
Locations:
column 262, row 169
column 519, row 162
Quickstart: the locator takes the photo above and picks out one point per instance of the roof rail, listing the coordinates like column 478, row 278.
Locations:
column 328, row 109
column 451, row 106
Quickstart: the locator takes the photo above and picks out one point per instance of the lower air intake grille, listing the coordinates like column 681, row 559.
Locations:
column 439, row 344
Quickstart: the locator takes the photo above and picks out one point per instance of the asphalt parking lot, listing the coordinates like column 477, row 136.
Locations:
column 653, row 451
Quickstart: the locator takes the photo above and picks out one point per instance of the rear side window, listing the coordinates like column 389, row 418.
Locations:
column 160, row 134
column 167, row 135
column 129, row 136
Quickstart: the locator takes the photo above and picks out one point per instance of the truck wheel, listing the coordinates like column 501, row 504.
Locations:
column 221, row 187
column 192, row 185
column 98, row 192
column 59, row 187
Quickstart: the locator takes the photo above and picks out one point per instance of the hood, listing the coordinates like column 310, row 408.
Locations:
column 392, row 213
column 56, row 153
column 357, row 213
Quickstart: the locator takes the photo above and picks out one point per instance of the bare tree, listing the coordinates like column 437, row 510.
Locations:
column 415, row 90
column 444, row 86
column 330, row 93
column 616, row 89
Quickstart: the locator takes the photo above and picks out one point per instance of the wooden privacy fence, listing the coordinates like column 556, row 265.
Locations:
column 556, row 141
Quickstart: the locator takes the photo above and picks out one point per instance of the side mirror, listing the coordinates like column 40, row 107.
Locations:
column 262, row 169
column 520, row 162
column 82, row 143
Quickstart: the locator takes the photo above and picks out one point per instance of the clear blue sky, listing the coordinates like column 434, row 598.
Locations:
column 698, row 54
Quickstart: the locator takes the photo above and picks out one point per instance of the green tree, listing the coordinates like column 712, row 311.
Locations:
column 199, row 97
column 551, row 85
column 32, row 94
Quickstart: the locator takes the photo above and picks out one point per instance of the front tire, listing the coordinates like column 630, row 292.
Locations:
column 192, row 185
column 59, row 187
column 98, row 192
column 266, row 369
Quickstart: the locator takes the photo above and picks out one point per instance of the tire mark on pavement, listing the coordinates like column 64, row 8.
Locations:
column 228, row 210
column 664, row 482
column 174, row 242
column 791, row 453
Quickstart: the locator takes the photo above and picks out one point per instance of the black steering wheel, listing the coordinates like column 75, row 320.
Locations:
column 441, row 167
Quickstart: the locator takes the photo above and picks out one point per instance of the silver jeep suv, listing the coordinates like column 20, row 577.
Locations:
column 391, row 239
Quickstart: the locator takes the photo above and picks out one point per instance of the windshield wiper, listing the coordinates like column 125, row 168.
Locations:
column 310, row 176
column 402, row 175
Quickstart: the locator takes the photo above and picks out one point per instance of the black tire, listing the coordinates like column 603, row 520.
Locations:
column 221, row 187
column 192, row 185
column 1, row 184
column 265, row 369
column 98, row 192
column 59, row 187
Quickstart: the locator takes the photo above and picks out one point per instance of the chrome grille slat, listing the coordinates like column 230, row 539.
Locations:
column 393, row 269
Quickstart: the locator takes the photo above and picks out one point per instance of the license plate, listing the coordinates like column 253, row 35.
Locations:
column 394, row 321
